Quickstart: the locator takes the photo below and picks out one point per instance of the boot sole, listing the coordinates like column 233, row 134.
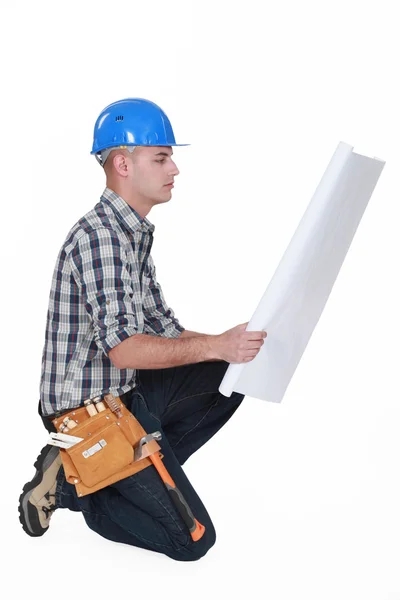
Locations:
column 27, row 512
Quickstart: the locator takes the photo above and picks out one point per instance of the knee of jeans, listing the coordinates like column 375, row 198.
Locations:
column 196, row 550
column 235, row 398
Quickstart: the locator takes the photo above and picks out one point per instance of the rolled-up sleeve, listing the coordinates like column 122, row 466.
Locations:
column 101, row 270
column 159, row 318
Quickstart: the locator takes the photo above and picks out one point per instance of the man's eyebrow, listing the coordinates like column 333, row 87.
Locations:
column 163, row 154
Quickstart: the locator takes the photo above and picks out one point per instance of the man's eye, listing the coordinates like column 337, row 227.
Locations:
column 161, row 160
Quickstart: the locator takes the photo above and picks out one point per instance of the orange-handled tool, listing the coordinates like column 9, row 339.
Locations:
column 196, row 529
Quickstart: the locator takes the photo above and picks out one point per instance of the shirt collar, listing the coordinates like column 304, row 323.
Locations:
column 125, row 213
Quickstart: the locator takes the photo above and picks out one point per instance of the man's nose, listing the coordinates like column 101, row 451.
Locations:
column 174, row 169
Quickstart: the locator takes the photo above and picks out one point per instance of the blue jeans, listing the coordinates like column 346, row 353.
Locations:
column 184, row 404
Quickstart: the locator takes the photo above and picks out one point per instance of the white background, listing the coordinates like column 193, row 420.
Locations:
column 305, row 494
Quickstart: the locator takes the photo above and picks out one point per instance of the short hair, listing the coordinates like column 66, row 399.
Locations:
column 104, row 154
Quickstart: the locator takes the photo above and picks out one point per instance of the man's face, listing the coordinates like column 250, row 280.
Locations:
column 151, row 172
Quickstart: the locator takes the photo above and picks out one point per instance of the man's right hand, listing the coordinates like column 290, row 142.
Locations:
column 238, row 345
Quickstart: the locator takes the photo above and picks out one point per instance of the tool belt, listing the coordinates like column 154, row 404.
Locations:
column 106, row 453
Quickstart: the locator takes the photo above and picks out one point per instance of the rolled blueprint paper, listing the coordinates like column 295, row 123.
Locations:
column 299, row 289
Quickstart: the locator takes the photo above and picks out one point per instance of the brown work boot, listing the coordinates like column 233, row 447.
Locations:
column 37, row 501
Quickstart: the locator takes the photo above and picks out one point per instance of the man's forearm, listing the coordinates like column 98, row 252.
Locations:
column 141, row 351
column 187, row 334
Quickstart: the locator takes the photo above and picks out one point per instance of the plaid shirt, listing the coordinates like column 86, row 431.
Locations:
column 104, row 290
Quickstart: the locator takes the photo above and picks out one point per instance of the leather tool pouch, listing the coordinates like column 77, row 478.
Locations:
column 106, row 454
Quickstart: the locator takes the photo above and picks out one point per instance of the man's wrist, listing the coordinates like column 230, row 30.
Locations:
column 210, row 353
column 210, row 350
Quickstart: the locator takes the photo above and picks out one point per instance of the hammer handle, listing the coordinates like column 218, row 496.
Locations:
column 196, row 529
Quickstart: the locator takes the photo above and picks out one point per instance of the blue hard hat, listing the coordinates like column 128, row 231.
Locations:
column 132, row 122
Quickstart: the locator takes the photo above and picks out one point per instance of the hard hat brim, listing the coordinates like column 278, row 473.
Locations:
column 99, row 149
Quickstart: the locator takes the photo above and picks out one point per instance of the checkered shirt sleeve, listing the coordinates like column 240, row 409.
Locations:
column 159, row 317
column 110, row 291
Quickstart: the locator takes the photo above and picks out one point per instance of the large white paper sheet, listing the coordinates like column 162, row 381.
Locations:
column 299, row 289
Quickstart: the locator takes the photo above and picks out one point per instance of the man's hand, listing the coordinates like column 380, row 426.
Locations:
column 237, row 345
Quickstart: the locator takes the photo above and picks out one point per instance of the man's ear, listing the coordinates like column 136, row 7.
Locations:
column 120, row 164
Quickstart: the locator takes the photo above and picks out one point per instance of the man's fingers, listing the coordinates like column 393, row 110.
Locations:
column 256, row 335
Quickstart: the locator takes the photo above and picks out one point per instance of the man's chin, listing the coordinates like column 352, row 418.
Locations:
column 166, row 196
column 163, row 200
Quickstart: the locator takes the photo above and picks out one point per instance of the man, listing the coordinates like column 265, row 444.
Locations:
column 110, row 330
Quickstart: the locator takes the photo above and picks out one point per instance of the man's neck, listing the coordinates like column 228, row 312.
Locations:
column 138, row 203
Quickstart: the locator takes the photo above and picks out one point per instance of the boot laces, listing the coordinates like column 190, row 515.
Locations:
column 50, row 507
